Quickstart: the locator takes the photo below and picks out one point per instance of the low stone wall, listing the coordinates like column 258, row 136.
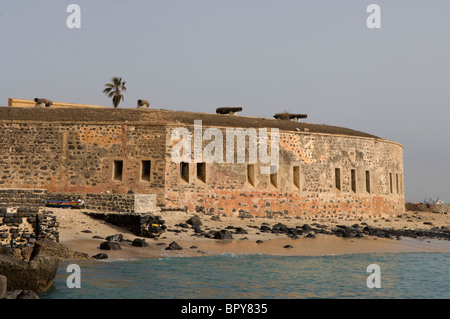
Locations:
column 21, row 227
column 101, row 202
column 14, row 197
column 120, row 203
column 138, row 224
column 435, row 208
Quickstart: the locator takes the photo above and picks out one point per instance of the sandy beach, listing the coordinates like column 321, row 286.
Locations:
column 78, row 229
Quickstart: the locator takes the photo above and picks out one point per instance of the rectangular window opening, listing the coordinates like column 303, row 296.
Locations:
column 146, row 170
column 390, row 183
column 201, row 172
column 396, row 184
column 274, row 176
column 337, row 178
column 368, row 181
column 353, row 180
column 117, row 170
column 296, row 173
column 184, row 171
column 251, row 174
column 401, row 183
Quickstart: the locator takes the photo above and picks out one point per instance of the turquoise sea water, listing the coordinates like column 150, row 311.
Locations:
column 403, row 275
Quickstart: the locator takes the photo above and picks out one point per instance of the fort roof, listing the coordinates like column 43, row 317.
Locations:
column 161, row 117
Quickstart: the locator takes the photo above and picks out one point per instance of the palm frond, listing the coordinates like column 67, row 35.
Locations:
column 114, row 89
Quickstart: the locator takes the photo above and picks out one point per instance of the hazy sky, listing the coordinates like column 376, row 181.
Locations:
column 316, row 57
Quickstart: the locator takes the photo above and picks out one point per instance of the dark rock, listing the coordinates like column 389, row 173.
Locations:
column 306, row 227
column 3, row 286
column 37, row 275
column 311, row 235
column 87, row 231
column 59, row 250
column 240, row 230
column 197, row 229
column 359, row 234
column 117, row 237
column 259, row 241
column 193, row 247
column 100, row 256
column 194, row 221
column 5, row 250
column 12, row 294
column 223, row 234
column 97, row 237
column 280, row 227
column 139, row 242
column 183, row 225
column 347, row 234
column 427, row 223
column 288, row 246
column 27, row 294
column 174, row 246
column 110, row 245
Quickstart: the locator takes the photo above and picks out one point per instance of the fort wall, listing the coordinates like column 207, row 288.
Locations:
column 80, row 158
column 305, row 184
column 324, row 172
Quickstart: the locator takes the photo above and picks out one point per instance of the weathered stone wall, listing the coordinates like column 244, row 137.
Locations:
column 19, row 197
column 121, row 203
column 20, row 227
column 79, row 158
column 228, row 191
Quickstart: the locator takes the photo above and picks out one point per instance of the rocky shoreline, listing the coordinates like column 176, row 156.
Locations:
column 356, row 230
column 179, row 234
column 87, row 238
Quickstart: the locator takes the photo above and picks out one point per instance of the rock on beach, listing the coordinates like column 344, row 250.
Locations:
column 110, row 245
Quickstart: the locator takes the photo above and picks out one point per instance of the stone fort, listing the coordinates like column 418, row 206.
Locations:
column 117, row 157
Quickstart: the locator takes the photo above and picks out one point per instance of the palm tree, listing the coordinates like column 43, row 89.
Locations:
column 114, row 90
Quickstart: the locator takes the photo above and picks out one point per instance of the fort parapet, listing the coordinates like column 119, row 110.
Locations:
column 31, row 103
